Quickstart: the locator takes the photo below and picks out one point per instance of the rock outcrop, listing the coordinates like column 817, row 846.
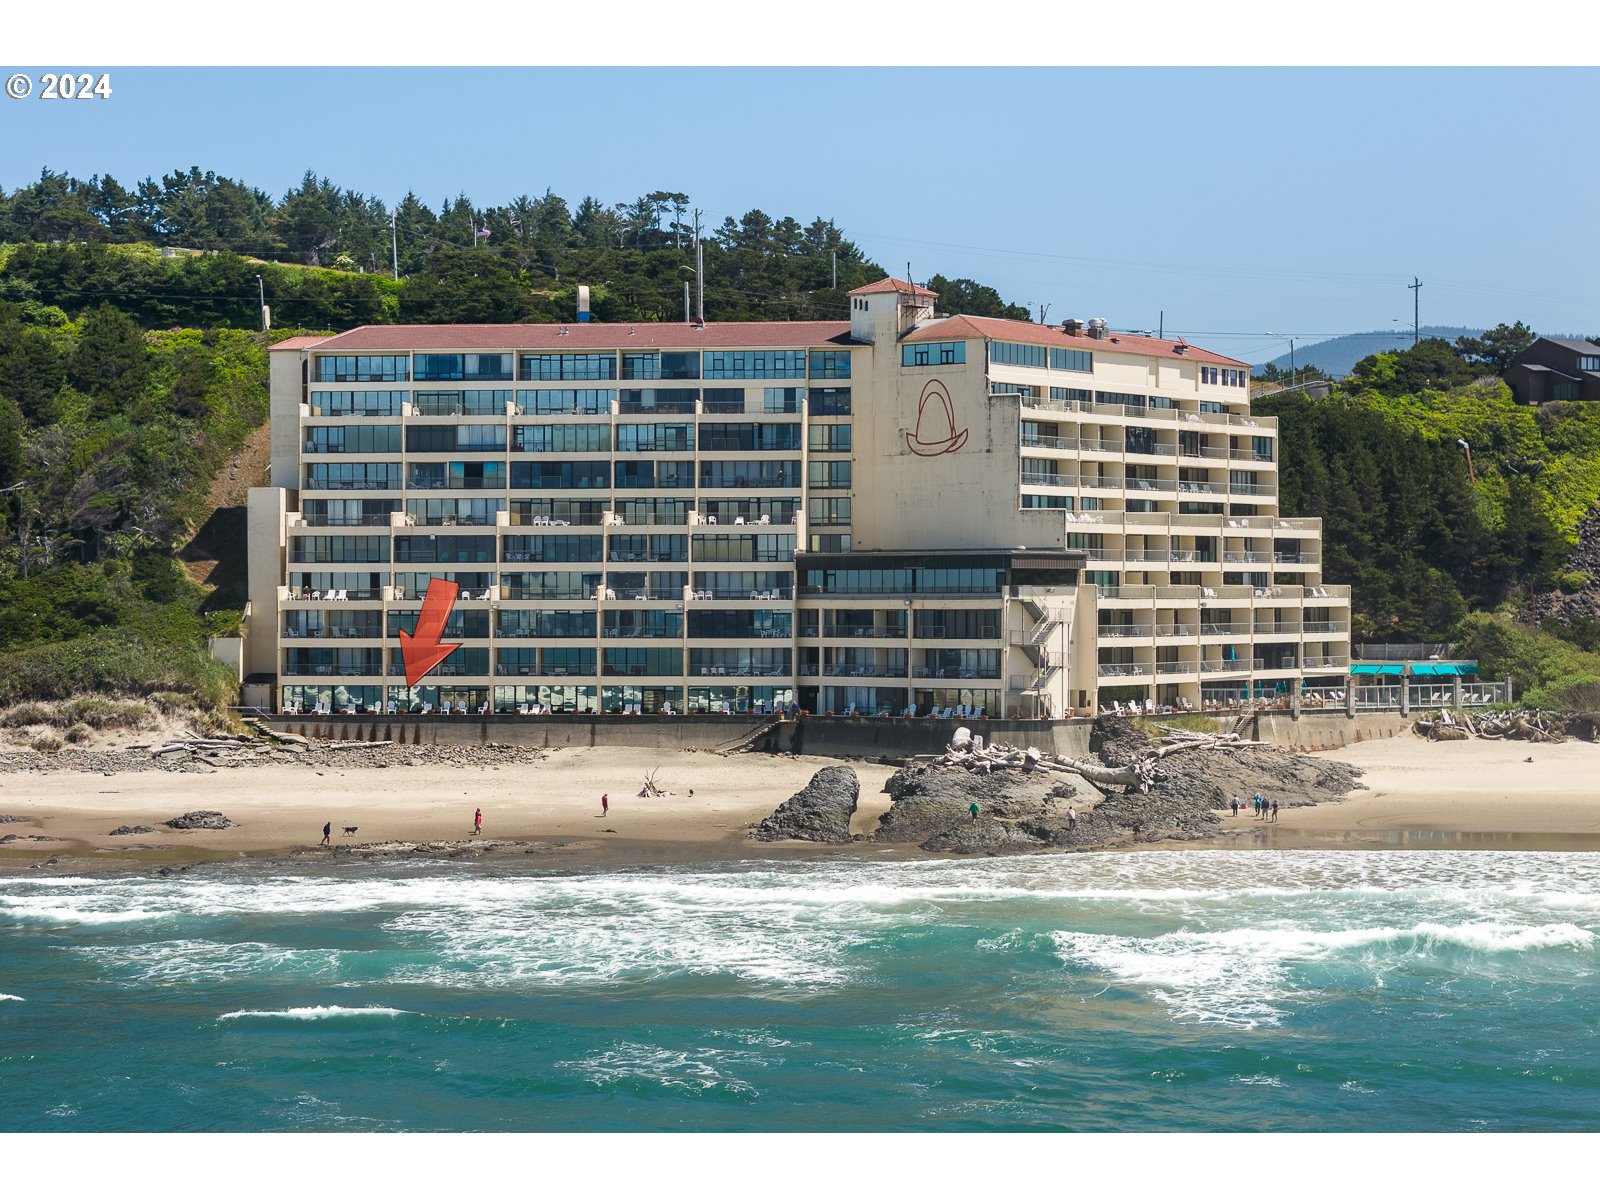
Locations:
column 200, row 819
column 818, row 812
column 127, row 830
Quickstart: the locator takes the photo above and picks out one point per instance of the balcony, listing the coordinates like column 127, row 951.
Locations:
column 1123, row 670
column 1175, row 668
column 1048, row 479
column 1124, row 631
column 1045, row 442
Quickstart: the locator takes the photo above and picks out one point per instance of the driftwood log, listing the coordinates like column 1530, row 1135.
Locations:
column 967, row 750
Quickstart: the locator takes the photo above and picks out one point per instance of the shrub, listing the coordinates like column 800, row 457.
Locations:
column 106, row 714
column 78, row 733
column 1575, row 581
column 46, row 743
column 27, row 714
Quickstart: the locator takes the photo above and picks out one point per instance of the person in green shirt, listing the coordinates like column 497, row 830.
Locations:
column 974, row 810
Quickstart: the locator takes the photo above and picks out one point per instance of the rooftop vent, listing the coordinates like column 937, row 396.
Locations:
column 1180, row 347
column 1097, row 327
column 1072, row 325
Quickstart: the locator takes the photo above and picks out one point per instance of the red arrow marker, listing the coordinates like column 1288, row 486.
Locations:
column 421, row 650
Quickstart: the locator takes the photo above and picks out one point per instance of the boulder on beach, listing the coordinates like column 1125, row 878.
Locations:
column 818, row 812
column 126, row 830
column 203, row 819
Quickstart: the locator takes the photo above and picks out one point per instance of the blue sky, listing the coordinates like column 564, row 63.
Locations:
column 1238, row 201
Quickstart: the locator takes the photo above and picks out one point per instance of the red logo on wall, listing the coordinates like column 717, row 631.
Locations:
column 936, row 431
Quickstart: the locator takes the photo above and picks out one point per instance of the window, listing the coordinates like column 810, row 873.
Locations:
column 588, row 402
column 462, row 366
column 761, row 547
column 1564, row 391
column 357, row 404
column 826, row 439
column 353, row 439
column 830, row 402
column 579, row 474
column 1211, row 406
column 480, row 437
column 667, row 400
column 477, row 475
column 363, row 368
column 755, row 364
column 566, row 439
column 720, row 474
column 1030, row 500
column 1208, row 375
column 1589, row 362
column 444, row 548
column 1125, row 399
column 829, row 474
column 1027, row 391
column 722, row 400
column 569, row 366
column 781, row 400
column 359, row 476
column 933, row 354
column 1071, row 360
column 1140, row 440
column 653, row 438
column 1016, row 354
column 829, row 511
column 749, row 435
column 339, row 549
column 830, row 364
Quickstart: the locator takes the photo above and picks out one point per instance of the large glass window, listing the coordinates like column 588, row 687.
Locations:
column 662, row 437
column 755, row 364
column 462, row 366
column 749, row 435
column 540, row 548
column 569, row 366
column 444, row 548
column 357, row 476
column 721, row 474
column 1016, row 354
column 830, row 364
column 339, row 548
column 669, row 364
column 932, row 354
column 828, row 474
column 555, row 401
column 357, row 404
column 561, row 439
column 830, row 402
column 829, row 439
column 829, row 510
column 666, row 400
column 1071, row 360
column 582, row 473
column 363, row 368
column 353, row 439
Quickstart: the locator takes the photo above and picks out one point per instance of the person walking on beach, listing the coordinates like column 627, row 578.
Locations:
column 605, row 804
column 1274, row 808
column 1233, row 803
column 1072, row 818
column 477, row 822
column 973, row 809
column 327, row 832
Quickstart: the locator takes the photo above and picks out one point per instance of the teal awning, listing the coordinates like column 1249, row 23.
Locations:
column 1376, row 668
column 1444, row 668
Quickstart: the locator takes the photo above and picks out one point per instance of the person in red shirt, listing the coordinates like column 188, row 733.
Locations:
column 477, row 822
column 605, row 804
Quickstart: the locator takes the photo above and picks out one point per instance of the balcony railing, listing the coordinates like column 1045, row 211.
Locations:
column 1124, row 631
column 1120, row 670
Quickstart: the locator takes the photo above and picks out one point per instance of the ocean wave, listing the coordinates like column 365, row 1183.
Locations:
column 189, row 960
column 1242, row 977
column 315, row 1013
column 8, row 996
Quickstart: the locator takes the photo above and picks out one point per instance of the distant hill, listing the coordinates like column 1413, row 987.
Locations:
column 1339, row 356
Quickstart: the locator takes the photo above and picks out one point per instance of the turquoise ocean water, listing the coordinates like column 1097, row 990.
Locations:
column 1264, row 990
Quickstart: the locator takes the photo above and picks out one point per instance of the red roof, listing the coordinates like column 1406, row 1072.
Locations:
column 302, row 341
column 997, row 329
column 890, row 284
column 589, row 335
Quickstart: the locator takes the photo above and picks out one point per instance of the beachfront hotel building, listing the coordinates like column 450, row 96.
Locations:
column 902, row 509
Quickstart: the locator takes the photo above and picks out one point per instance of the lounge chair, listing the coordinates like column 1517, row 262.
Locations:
column 977, row 714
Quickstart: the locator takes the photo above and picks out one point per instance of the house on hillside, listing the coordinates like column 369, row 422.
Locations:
column 1555, row 369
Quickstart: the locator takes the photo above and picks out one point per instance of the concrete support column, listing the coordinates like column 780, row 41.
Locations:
column 1294, row 699
column 1405, row 695
column 1350, row 697
column 1455, row 690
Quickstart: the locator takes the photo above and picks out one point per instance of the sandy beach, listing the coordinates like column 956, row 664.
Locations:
column 1419, row 794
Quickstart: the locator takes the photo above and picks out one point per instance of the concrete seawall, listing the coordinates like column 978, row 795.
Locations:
column 826, row 737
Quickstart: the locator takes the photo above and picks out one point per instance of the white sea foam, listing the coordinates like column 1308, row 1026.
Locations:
column 188, row 960
column 8, row 996
column 1244, row 976
column 315, row 1013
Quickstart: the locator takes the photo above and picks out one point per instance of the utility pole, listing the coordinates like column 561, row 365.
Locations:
column 266, row 321
column 394, row 241
column 835, row 256
column 1416, row 308
column 686, row 302
column 1043, row 309
column 699, row 273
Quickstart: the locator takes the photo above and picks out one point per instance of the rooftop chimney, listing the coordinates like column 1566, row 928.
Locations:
column 1072, row 325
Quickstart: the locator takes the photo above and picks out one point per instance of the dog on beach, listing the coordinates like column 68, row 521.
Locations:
column 350, row 831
